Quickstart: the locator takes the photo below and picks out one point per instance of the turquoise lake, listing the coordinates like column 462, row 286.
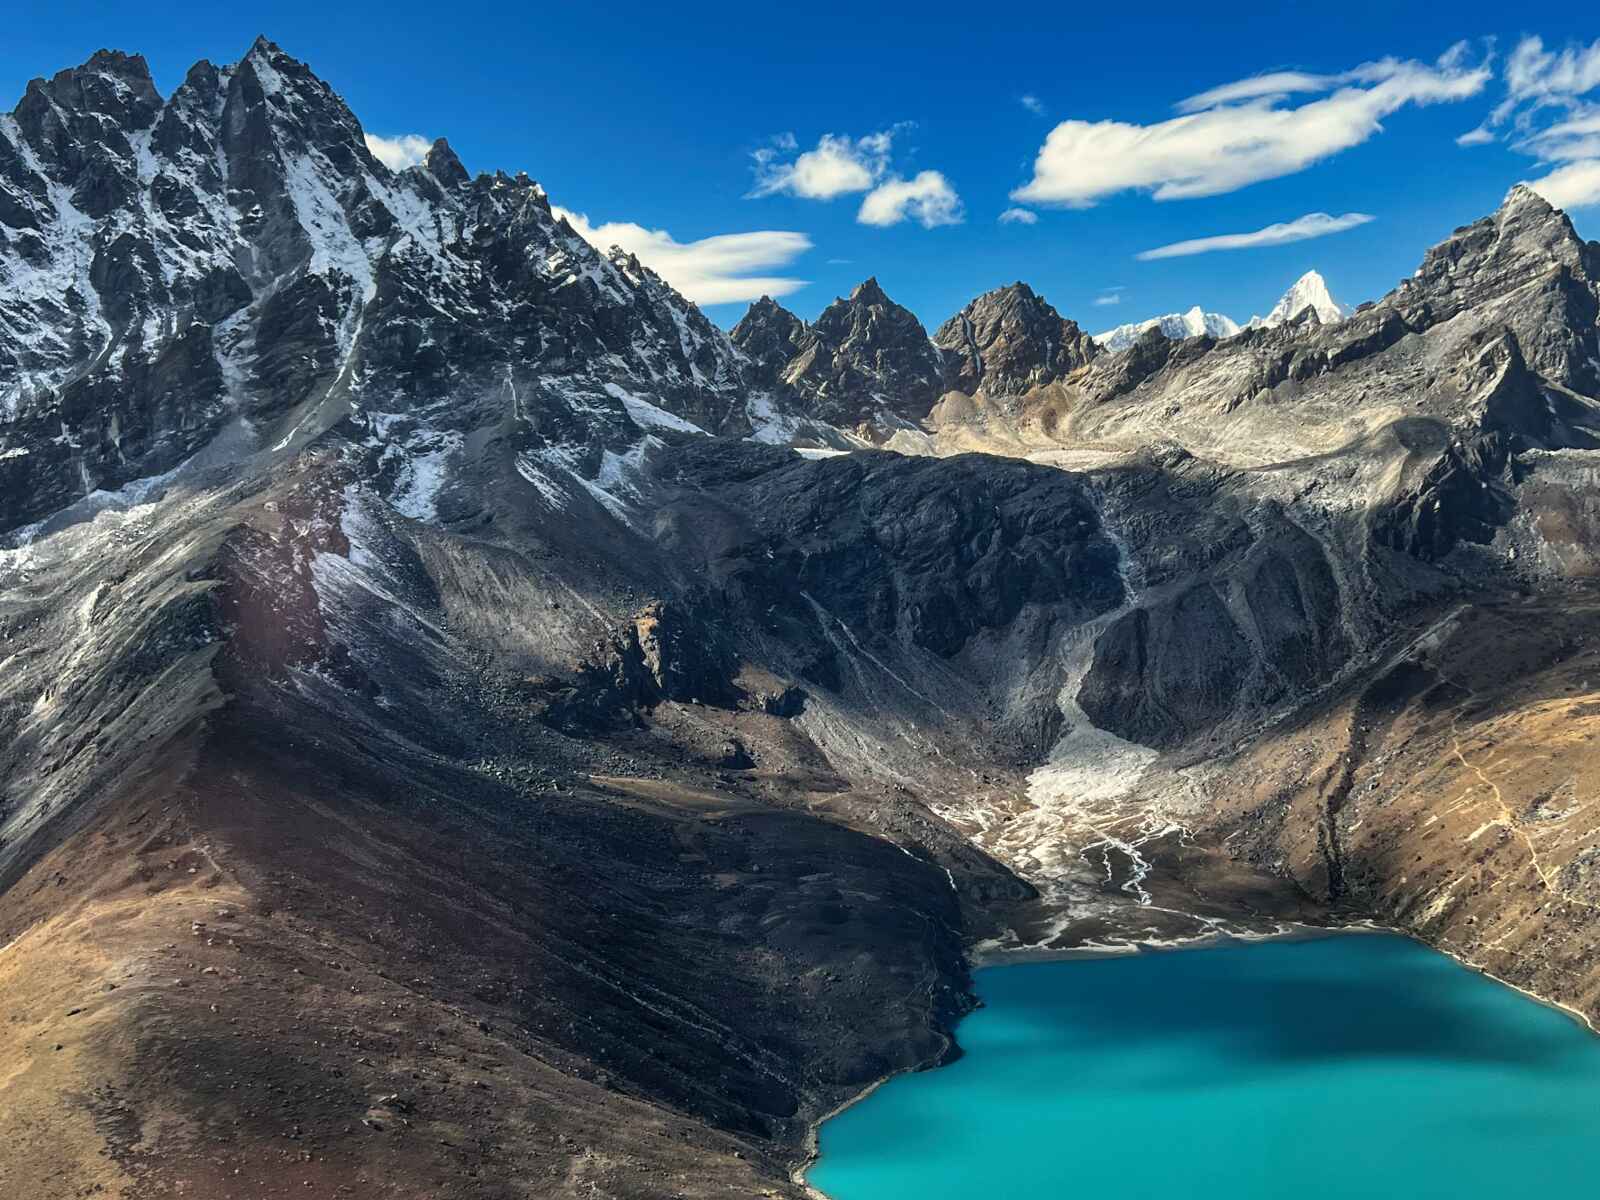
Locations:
column 1349, row 1066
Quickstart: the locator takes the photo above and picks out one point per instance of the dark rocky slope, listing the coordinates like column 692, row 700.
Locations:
column 341, row 883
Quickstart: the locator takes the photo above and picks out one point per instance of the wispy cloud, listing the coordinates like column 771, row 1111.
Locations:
column 1541, row 77
column 1108, row 297
column 1539, row 82
column 1019, row 216
column 1278, row 84
column 837, row 166
column 713, row 270
column 1312, row 225
column 1240, row 133
column 1547, row 114
column 927, row 199
column 1566, row 141
column 399, row 152
column 1032, row 103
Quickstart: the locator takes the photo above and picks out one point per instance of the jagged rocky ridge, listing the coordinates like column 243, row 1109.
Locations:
column 868, row 365
column 436, row 730
column 233, row 260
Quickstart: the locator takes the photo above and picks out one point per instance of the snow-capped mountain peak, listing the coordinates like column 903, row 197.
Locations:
column 1309, row 291
column 233, row 258
column 1193, row 323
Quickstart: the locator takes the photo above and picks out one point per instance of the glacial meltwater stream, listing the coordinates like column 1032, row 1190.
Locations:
column 1349, row 1066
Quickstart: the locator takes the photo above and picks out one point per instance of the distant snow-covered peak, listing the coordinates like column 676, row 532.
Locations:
column 1309, row 291
column 1177, row 326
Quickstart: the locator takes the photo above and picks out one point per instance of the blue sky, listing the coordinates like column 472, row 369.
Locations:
column 688, row 122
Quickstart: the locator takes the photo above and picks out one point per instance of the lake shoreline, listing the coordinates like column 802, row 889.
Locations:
column 814, row 1134
column 980, row 960
column 1293, row 931
column 1577, row 1015
column 1284, row 932
column 814, row 1130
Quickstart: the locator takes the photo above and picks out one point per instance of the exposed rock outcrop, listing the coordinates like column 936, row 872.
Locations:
column 927, row 551
column 668, row 651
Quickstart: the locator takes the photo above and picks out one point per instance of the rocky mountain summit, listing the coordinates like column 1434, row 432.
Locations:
column 864, row 363
column 1009, row 341
column 450, row 734
column 867, row 364
column 771, row 336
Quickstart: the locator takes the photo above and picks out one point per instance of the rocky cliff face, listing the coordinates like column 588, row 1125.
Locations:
column 430, row 707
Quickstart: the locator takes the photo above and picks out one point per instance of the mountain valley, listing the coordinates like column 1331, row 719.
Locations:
column 471, row 727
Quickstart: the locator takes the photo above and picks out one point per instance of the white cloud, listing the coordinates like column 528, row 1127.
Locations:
column 1576, row 185
column 836, row 167
column 1285, row 83
column 1535, row 75
column 841, row 165
column 1019, row 216
column 1541, row 84
column 1312, row 225
column 1114, row 296
column 1538, row 79
column 1240, row 133
column 713, row 270
column 1576, row 137
column 928, row 199
column 1480, row 136
column 1033, row 104
column 398, row 153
